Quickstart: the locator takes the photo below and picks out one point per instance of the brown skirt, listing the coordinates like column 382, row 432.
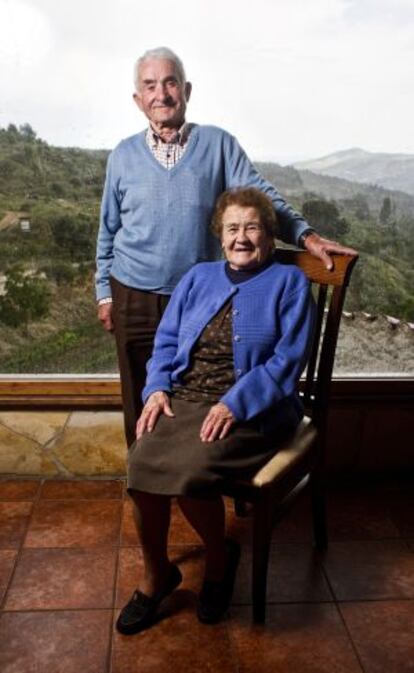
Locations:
column 172, row 460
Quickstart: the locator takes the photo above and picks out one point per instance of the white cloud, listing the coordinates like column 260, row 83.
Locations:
column 25, row 35
column 292, row 79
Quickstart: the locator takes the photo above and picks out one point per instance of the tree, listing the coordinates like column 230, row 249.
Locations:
column 73, row 236
column 26, row 298
column 325, row 217
column 12, row 130
column 357, row 205
column 57, row 189
column 61, row 272
column 385, row 212
column 27, row 131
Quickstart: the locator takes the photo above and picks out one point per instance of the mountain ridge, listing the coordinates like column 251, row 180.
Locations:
column 389, row 170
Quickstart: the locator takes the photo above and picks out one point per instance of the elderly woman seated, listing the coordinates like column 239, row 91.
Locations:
column 221, row 392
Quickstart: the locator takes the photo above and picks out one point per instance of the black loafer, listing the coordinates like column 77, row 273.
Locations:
column 139, row 613
column 215, row 597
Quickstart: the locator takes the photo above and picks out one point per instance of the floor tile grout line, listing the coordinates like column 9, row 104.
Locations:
column 246, row 606
column 337, row 604
column 9, row 581
column 115, row 585
column 80, row 500
column 96, row 547
column 389, row 538
column 341, row 617
column 100, row 547
column 47, row 610
column 91, row 499
column 114, row 594
column 333, row 601
column 324, row 573
column 234, row 605
column 22, row 540
column 108, row 658
column 354, row 647
column 119, row 545
column 275, row 545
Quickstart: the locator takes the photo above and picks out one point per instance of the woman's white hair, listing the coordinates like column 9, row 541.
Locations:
column 159, row 52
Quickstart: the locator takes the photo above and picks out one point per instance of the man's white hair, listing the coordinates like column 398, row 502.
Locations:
column 159, row 52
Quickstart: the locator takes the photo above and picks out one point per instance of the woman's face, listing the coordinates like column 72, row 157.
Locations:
column 244, row 239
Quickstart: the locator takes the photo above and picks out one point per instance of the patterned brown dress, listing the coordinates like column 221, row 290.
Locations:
column 172, row 460
column 211, row 372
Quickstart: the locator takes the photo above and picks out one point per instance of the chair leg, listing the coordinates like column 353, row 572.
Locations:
column 319, row 513
column 240, row 508
column 262, row 530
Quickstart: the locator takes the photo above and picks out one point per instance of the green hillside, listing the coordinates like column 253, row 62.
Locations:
column 378, row 222
column 49, row 212
column 58, row 191
column 31, row 169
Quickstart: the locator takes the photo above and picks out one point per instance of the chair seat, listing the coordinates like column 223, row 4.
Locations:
column 288, row 455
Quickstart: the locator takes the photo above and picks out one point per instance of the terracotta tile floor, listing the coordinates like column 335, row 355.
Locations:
column 69, row 560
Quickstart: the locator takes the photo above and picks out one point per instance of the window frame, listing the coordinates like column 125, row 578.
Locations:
column 104, row 392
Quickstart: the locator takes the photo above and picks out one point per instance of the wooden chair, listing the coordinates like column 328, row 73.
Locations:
column 299, row 462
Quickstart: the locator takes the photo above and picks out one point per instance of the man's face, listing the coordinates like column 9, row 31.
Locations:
column 161, row 96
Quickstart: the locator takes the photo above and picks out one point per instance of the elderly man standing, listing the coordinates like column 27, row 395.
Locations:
column 160, row 190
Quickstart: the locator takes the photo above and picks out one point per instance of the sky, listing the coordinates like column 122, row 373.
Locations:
column 292, row 79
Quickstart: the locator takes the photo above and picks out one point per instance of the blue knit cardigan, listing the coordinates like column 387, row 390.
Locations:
column 272, row 315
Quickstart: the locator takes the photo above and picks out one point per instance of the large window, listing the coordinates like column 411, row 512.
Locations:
column 67, row 87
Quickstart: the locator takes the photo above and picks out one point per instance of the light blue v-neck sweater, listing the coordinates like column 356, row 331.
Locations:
column 155, row 222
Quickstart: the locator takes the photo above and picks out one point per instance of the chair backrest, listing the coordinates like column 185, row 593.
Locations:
column 330, row 294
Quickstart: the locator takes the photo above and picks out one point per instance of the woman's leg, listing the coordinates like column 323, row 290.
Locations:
column 207, row 517
column 152, row 519
column 222, row 557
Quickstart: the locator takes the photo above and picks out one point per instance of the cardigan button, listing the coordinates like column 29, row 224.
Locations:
column 236, row 311
column 237, row 337
column 239, row 372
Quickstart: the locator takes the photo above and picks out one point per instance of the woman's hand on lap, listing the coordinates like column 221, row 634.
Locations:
column 158, row 403
column 217, row 423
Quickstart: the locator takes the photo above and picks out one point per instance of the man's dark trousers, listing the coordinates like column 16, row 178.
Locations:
column 136, row 315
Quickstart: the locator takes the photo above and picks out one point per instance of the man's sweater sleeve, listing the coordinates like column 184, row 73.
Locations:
column 110, row 222
column 240, row 172
column 267, row 384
